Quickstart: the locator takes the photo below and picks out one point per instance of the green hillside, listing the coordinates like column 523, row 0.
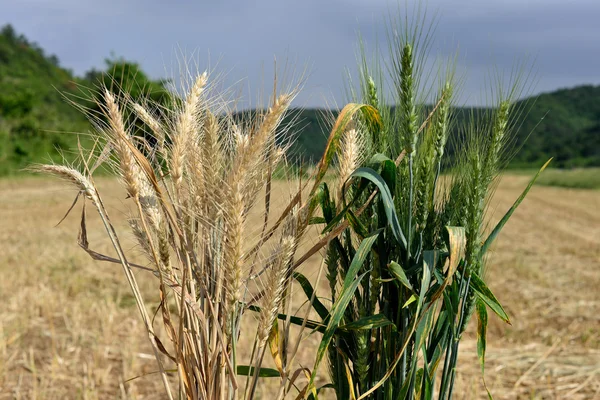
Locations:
column 564, row 124
column 36, row 121
column 32, row 109
column 568, row 128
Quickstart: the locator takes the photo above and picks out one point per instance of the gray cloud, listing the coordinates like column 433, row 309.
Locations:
column 241, row 37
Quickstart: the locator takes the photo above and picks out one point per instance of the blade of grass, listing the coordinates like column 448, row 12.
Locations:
column 490, row 239
column 309, row 291
column 486, row 295
column 343, row 119
column 482, row 318
column 388, row 202
column 347, row 293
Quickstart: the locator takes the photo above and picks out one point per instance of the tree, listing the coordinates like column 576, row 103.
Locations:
column 126, row 77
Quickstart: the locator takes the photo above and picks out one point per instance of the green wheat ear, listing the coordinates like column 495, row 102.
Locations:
column 377, row 137
column 407, row 98
column 441, row 121
column 373, row 98
column 498, row 139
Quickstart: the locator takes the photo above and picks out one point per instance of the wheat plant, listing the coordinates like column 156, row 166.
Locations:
column 193, row 180
column 407, row 270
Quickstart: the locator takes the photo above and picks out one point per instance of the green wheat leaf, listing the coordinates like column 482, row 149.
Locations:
column 486, row 295
column 246, row 370
column 398, row 273
column 490, row 239
column 309, row 291
column 347, row 293
column 388, row 202
column 482, row 318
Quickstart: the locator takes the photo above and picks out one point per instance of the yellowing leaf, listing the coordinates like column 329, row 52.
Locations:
column 274, row 346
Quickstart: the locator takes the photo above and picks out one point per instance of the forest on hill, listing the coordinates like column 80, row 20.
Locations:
column 564, row 124
column 41, row 105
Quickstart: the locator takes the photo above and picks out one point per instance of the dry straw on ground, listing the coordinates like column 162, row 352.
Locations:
column 71, row 330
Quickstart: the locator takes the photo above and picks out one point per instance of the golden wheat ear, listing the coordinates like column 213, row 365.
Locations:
column 186, row 125
column 70, row 175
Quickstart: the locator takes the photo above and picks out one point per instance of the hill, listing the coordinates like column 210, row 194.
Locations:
column 35, row 119
column 32, row 110
column 564, row 124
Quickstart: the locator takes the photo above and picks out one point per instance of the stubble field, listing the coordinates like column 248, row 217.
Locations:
column 69, row 328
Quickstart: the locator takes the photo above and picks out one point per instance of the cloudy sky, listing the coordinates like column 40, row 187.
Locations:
column 239, row 38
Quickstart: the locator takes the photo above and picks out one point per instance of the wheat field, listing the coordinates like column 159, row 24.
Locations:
column 69, row 328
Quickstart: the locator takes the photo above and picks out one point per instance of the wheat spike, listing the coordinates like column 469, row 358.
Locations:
column 71, row 175
column 349, row 156
column 187, row 123
column 119, row 137
column 274, row 287
column 234, row 247
column 152, row 123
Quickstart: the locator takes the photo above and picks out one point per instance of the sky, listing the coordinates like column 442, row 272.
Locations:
column 237, row 40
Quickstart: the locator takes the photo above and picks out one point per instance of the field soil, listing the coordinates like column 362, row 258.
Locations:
column 69, row 327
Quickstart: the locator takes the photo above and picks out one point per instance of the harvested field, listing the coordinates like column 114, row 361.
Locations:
column 69, row 328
